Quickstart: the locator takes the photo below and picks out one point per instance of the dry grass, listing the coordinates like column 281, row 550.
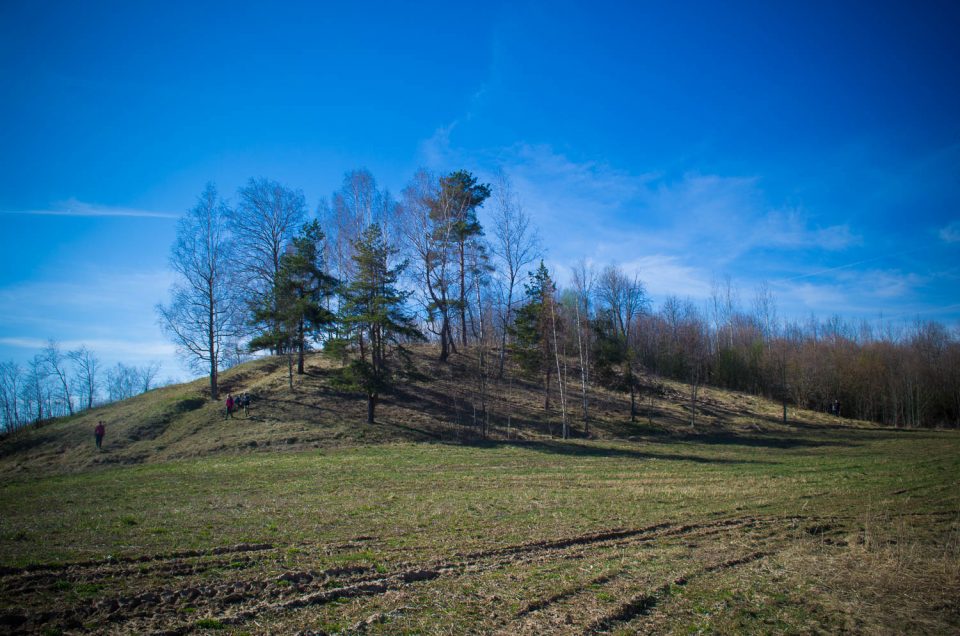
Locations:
column 190, row 523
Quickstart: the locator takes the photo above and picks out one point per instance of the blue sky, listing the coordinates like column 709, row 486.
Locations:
column 812, row 145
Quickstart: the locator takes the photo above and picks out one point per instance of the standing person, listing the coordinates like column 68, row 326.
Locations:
column 229, row 405
column 98, row 433
column 245, row 400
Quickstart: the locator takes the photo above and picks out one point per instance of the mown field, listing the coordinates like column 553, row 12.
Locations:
column 808, row 529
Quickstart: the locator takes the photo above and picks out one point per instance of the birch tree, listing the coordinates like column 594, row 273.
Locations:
column 515, row 245
column 427, row 229
column 583, row 282
column 205, row 312
column 56, row 362
column 86, row 373
column 11, row 381
column 264, row 222
column 624, row 298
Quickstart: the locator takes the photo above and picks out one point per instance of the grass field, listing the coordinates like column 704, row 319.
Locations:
column 805, row 529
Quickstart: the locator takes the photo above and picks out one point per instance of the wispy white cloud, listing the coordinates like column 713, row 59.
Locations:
column 435, row 151
column 704, row 221
column 89, row 291
column 104, row 348
column 679, row 231
column 666, row 275
column 950, row 233
column 109, row 312
column 73, row 207
column 791, row 229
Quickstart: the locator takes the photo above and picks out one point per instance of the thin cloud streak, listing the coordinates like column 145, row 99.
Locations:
column 127, row 350
column 75, row 208
column 845, row 266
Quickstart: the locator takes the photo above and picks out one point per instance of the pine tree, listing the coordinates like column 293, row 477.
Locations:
column 532, row 328
column 294, row 311
column 375, row 316
column 466, row 195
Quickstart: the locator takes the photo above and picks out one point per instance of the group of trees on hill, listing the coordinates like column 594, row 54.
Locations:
column 368, row 273
column 55, row 383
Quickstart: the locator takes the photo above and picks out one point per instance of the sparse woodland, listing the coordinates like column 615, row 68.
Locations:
column 265, row 275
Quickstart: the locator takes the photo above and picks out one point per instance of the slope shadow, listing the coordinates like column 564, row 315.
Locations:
column 25, row 440
column 771, row 440
column 456, row 411
column 590, row 451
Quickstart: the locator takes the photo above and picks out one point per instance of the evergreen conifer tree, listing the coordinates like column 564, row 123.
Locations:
column 531, row 329
column 294, row 312
column 375, row 317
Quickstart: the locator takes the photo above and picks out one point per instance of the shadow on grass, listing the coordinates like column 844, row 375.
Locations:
column 25, row 440
column 773, row 440
column 422, row 432
column 573, row 449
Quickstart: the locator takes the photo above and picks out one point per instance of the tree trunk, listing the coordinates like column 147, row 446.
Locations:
column 546, row 389
column 212, row 344
column 560, row 378
column 463, row 297
column 300, row 339
column 693, row 404
column 583, row 374
column 503, row 335
column 444, row 337
column 290, row 368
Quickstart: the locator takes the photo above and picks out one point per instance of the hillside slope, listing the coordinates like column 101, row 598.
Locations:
column 439, row 403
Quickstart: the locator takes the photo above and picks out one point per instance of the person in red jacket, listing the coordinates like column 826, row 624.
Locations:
column 229, row 405
column 98, row 433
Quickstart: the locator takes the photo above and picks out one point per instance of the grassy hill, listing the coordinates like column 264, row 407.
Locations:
column 302, row 519
column 439, row 403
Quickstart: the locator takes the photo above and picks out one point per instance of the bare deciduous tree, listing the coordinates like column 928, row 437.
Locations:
column 11, row 384
column 123, row 381
column 624, row 298
column 584, row 280
column 86, row 373
column 352, row 209
column 205, row 312
column 35, row 387
column 147, row 374
column 427, row 228
column 56, row 363
column 264, row 222
column 515, row 245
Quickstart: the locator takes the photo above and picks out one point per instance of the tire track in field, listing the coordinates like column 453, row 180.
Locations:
column 645, row 603
column 162, row 609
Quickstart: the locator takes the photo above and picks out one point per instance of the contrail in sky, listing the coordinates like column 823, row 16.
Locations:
column 846, row 266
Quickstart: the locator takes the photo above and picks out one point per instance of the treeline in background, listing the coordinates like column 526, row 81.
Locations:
column 57, row 382
column 459, row 264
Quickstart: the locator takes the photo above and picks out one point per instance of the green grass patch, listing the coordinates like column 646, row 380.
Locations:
column 835, row 512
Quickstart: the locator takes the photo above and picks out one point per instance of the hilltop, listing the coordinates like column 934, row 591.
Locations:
column 436, row 403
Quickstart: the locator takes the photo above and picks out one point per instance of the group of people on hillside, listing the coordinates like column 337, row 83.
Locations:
column 835, row 408
column 233, row 405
